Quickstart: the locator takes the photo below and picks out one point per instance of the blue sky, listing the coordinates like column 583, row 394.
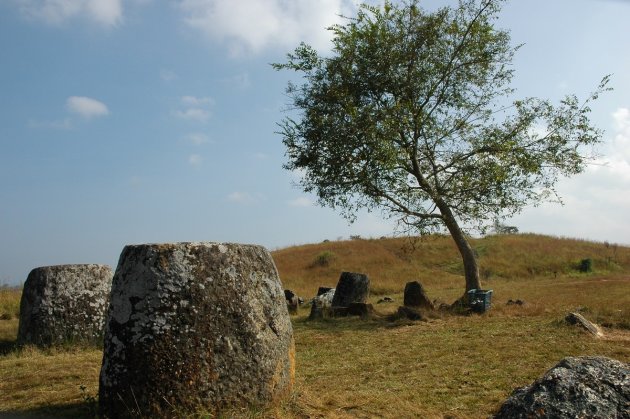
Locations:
column 131, row 121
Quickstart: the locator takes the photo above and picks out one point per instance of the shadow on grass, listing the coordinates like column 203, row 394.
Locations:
column 80, row 410
column 376, row 320
column 336, row 324
column 7, row 346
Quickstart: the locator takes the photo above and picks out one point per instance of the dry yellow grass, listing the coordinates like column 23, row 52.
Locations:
column 448, row 366
column 32, row 378
column 9, row 303
column 435, row 262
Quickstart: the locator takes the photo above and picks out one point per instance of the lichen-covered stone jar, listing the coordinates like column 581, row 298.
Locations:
column 195, row 326
column 64, row 304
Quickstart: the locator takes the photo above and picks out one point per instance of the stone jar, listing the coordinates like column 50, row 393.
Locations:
column 64, row 304
column 416, row 296
column 351, row 288
column 195, row 327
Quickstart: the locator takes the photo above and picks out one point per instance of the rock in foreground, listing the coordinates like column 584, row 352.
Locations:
column 195, row 326
column 585, row 387
column 64, row 304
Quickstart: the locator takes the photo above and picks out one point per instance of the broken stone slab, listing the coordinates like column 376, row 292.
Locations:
column 415, row 296
column 320, row 305
column 580, row 387
column 581, row 321
column 351, row 288
column 195, row 326
column 326, row 298
column 64, row 304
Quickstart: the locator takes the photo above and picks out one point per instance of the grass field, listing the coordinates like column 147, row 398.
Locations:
column 448, row 366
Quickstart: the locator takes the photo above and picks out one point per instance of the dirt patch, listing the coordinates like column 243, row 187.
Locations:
column 616, row 335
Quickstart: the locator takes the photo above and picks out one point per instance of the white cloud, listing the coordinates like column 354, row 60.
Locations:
column 196, row 101
column 563, row 85
column 196, row 108
column 371, row 225
column 55, row 12
column 622, row 119
column 108, row 12
column 617, row 159
column 86, row 107
column 168, row 75
column 597, row 201
column 302, row 201
column 240, row 81
column 297, row 175
column 195, row 160
column 621, row 142
column 197, row 138
column 240, row 198
column 253, row 25
column 193, row 114
column 245, row 198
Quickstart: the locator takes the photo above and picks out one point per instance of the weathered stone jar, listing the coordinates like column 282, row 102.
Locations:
column 64, row 304
column 351, row 288
column 195, row 326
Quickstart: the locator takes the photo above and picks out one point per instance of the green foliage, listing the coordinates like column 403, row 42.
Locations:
column 409, row 115
column 586, row 265
column 500, row 228
column 324, row 258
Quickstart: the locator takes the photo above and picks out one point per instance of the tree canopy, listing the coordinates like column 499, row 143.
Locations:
column 413, row 113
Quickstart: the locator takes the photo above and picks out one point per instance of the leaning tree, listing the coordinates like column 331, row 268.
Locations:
column 412, row 112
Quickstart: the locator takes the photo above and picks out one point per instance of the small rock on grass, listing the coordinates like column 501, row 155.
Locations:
column 581, row 321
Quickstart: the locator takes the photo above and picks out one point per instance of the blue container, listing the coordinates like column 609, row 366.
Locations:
column 479, row 300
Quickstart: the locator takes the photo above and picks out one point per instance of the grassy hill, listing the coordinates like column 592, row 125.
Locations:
column 448, row 366
column 506, row 261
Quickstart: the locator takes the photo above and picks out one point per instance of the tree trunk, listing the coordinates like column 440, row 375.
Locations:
column 471, row 270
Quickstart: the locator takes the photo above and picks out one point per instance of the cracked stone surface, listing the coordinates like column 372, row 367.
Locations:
column 195, row 325
column 577, row 387
column 64, row 304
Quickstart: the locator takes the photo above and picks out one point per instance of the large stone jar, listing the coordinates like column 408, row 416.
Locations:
column 195, row 326
column 64, row 304
column 352, row 288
